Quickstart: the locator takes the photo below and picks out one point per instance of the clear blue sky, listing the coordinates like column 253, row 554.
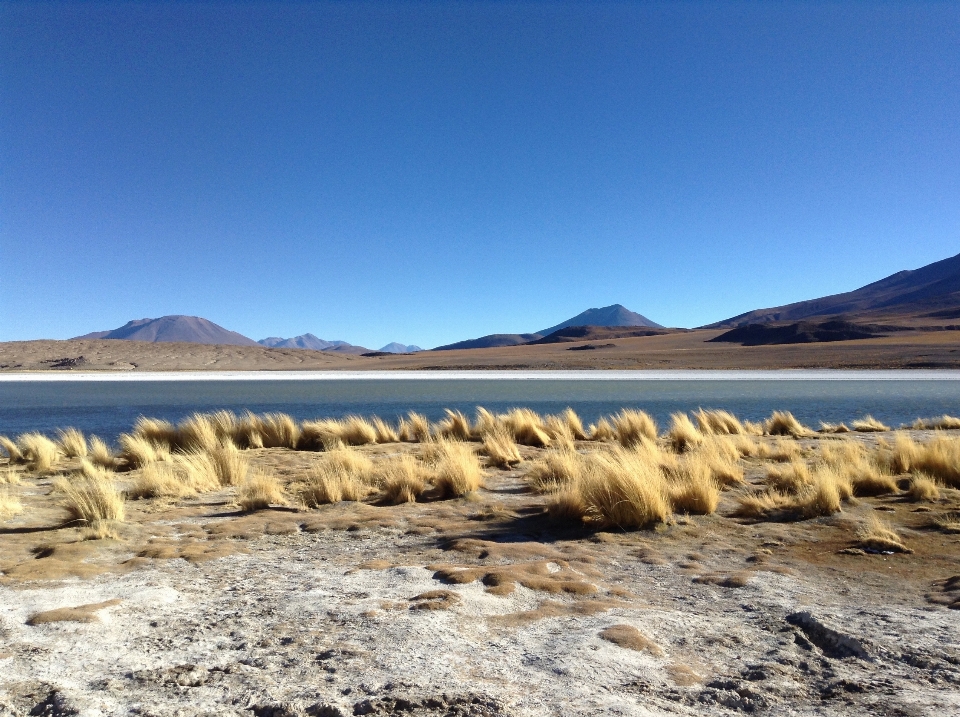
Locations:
column 426, row 172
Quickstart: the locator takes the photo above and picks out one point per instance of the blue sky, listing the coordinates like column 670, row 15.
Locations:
column 426, row 172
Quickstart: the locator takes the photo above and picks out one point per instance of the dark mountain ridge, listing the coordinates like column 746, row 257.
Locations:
column 174, row 329
column 932, row 291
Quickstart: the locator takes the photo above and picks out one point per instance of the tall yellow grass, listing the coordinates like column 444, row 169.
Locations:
column 869, row 424
column 682, row 434
column 100, row 453
column 783, row 423
column 500, row 449
column 602, row 430
column 197, row 471
column 10, row 504
column 385, row 432
column 402, row 479
column 456, row 469
column 455, row 426
column 341, row 474
column 137, row 450
column 159, row 480
column 91, row 501
column 259, row 491
column 800, row 496
column 555, row 469
column 11, row 449
column 851, row 460
column 72, row 443
column 943, row 423
column 633, row 427
column 39, row 451
column 938, row 458
column 415, row 428
column 923, row 489
column 718, row 422
column 526, row 426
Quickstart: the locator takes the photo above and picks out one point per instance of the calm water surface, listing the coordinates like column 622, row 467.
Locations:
column 109, row 407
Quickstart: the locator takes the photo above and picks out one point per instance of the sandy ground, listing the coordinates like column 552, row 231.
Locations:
column 352, row 609
column 689, row 350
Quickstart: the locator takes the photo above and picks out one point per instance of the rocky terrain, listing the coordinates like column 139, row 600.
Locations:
column 480, row 605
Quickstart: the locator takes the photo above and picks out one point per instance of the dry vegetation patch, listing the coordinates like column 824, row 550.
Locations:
column 80, row 613
column 629, row 637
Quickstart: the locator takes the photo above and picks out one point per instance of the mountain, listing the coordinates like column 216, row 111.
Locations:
column 491, row 341
column 304, row 341
column 932, row 291
column 615, row 315
column 395, row 348
column 188, row 329
column 593, row 333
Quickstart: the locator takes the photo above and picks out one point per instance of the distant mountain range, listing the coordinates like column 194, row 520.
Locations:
column 197, row 330
column 931, row 292
column 608, row 316
column 188, row 329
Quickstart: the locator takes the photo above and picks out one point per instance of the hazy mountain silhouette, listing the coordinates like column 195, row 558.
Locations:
column 169, row 329
column 931, row 291
column 395, row 348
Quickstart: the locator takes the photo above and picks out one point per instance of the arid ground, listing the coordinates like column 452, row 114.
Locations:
column 685, row 350
column 494, row 602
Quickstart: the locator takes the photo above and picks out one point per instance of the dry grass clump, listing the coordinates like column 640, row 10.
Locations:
column 385, row 432
column 721, row 456
column 357, row 431
column 717, row 422
column 833, row 427
column 876, row 534
column 72, row 443
column 156, row 432
column 456, row 468
column 782, row 450
column 789, row 478
column 38, row 451
column 555, row 469
column 91, row 470
column 574, row 424
column 197, row 471
column 10, row 504
column 869, row 424
column 91, row 500
column 11, row 449
column 8, row 476
column 341, row 474
column 694, row 489
column 851, row 460
column 159, row 480
column 942, row 423
column 938, row 458
column 229, row 464
column 137, row 450
column 682, row 434
column 100, row 453
column 621, row 488
column 330, row 433
column 500, row 449
column 633, row 427
column 455, row 426
column 602, row 430
column 526, row 426
column 783, row 423
column 485, row 422
column 259, row 491
column 321, row 435
column 800, row 497
column 923, row 489
column 948, row 523
column 415, row 428
column 197, row 434
column 277, row 430
column 402, row 479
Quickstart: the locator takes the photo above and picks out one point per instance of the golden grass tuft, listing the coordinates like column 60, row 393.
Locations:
column 938, row 458
column 415, row 428
column 402, row 479
column 11, row 449
column 229, row 464
column 633, row 427
column 278, row 430
column 782, row 450
column 156, row 432
column 574, row 424
column 456, row 469
column 717, row 422
column 948, row 523
column 602, row 430
column 783, row 423
column 197, row 471
column 91, row 470
column 485, row 422
column 694, row 489
column 159, row 480
column 91, row 500
column 137, row 450
column 341, row 474
column 923, row 489
column 8, row 476
column 621, row 488
column 682, row 434
column 526, row 426
column 869, row 424
column 10, row 504
column 385, row 432
column 820, row 494
column 500, row 449
column 942, row 423
column 259, row 491
column 555, row 469
column 789, row 478
column 455, row 426
column 72, row 443
column 876, row 534
column 38, row 451
column 100, row 453
column 197, row 434
column 833, row 428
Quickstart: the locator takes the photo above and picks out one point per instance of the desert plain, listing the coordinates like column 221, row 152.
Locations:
column 506, row 565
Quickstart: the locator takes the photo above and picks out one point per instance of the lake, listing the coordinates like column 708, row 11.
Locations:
column 109, row 405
